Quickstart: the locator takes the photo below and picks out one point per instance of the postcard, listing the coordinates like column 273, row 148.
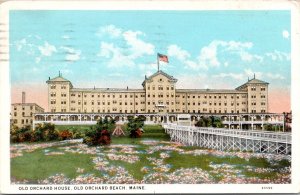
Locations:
column 149, row 97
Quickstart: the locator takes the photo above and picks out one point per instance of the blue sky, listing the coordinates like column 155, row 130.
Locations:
column 206, row 49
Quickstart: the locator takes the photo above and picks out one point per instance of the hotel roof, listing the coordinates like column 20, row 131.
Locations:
column 105, row 90
column 171, row 78
column 229, row 91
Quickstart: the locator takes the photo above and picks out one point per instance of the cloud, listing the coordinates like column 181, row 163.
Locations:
column 248, row 57
column 184, row 57
column 279, row 56
column 65, row 37
column 275, row 76
column 133, row 48
column 236, row 45
column 150, row 66
column 285, row 34
column 176, row 51
column 137, row 46
column 237, row 76
column 20, row 44
column 209, row 54
column 110, row 30
column 116, row 75
column 72, row 54
column 250, row 73
column 37, row 60
column 47, row 49
column 115, row 55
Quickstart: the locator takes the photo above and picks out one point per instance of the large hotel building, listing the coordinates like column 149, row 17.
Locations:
column 157, row 95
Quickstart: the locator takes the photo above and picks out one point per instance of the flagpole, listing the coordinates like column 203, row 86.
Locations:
column 157, row 62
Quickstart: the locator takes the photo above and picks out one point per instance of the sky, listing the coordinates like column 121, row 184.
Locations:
column 206, row 49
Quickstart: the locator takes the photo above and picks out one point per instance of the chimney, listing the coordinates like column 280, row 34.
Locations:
column 23, row 97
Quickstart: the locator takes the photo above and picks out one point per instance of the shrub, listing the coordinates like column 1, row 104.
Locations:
column 210, row 122
column 134, row 126
column 99, row 134
column 65, row 134
column 23, row 134
column 45, row 132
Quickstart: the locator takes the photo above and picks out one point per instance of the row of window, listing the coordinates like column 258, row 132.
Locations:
column 212, row 96
column 107, row 95
column 23, row 121
column 254, row 89
column 54, row 87
column 23, row 114
column 204, row 110
column 160, row 87
column 23, row 107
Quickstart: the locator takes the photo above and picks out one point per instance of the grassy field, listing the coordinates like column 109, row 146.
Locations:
column 34, row 165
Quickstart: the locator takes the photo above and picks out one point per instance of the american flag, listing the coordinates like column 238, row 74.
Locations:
column 162, row 57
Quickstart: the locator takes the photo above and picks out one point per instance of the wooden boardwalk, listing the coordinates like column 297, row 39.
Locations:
column 231, row 139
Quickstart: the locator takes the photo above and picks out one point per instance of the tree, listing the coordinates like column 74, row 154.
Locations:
column 134, row 126
column 99, row 134
column 211, row 121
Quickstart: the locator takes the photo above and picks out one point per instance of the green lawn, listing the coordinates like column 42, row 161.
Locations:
column 35, row 165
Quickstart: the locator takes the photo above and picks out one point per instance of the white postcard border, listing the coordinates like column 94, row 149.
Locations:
column 293, row 6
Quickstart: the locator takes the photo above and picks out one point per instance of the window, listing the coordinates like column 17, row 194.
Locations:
column 15, row 113
column 263, row 89
column 52, row 86
column 63, row 87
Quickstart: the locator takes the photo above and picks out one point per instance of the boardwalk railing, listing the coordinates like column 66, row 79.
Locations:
column 231, row 139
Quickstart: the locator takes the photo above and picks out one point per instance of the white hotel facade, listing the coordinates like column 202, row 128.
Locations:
column 159, row 100
column 158, row 95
